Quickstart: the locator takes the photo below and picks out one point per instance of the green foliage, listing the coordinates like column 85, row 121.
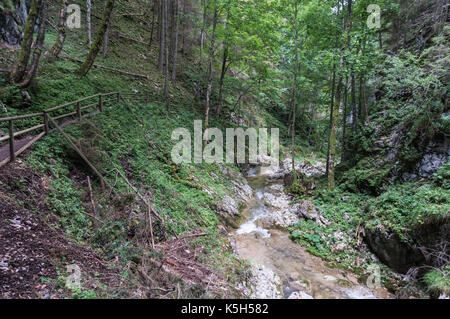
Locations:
column 10, row 93
column 442, row 176
column 438, row 280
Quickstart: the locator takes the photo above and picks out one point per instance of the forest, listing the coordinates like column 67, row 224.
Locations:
column 345, row 196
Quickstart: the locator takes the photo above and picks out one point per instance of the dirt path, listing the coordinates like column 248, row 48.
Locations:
column 19, row 143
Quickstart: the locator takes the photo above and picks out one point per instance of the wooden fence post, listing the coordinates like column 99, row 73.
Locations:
column 12, row 155
column 100, row 103
column 46, row 122
column 79, row 110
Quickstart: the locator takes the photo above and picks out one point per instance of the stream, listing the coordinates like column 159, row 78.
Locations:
column 299, row 274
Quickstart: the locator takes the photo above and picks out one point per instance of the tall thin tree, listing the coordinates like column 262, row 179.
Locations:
column 294, row 92
column 210, row 64
column 95, row 47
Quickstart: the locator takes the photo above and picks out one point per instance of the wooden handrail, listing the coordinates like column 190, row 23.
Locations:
column 46, row 117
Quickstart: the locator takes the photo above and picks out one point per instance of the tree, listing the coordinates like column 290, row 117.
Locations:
column 95, row 47
column 38, row 46
column 162, row 36
column 294, row 92
column 175, row 46
column 88, row 21
column 166, row 49
column 210, row 63
column 25, row 50
column 106, row 35
column 57, row 47
column 337, row 101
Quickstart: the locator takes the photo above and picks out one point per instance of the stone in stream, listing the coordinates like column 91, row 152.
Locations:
column 299, row 295
column 263, row 284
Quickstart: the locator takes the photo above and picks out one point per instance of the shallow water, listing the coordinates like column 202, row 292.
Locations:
column 298, row 270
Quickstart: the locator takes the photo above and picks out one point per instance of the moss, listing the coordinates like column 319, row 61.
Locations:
column 25, row 51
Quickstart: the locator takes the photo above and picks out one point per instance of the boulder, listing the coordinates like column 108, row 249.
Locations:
column 11, row 21
column 307, row 210
column 392, row 251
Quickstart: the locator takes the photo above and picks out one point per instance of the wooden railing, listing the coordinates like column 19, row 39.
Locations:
column 76, row 108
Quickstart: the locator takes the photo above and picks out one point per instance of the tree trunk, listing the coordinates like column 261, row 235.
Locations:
column 344, row 123
column 202, row 31
column 162, row 37
column 95, row 48
column 38, row 46
column 106, row 36
column 153, row 8
column 354, row 106
column 175, row 46
column 25, row 50
column 57, row 47
column 333, row 89
column 88, row 21
column 210, row 65
column 336, row 106
column 166, row 50
column 294, row 95
column 224, row 66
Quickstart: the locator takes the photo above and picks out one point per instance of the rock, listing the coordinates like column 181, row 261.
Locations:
column 430, row 163
column 277, row 201
column 307, row 210
column 339, row 247
column 228, row 207
column 300, row 295
column 347, row 217
column 264, row 283
column 338, row 236
column 389, row 248
column 282, row 218
column 11, row 21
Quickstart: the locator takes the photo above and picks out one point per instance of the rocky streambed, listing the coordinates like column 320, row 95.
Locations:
column 280, row 267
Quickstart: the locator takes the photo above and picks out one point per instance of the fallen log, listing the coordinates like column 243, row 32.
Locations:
column 107, row 68
column 131, row 39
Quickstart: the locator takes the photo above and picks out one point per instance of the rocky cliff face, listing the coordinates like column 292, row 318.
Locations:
column 12, row 21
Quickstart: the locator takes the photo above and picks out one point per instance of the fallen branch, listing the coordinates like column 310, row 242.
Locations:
column 131, row 39
column 193, row 235
column 91, row 197
column 108, row 69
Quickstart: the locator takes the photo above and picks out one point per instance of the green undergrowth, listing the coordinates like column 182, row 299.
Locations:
column 403, row 208
column 136, row 139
